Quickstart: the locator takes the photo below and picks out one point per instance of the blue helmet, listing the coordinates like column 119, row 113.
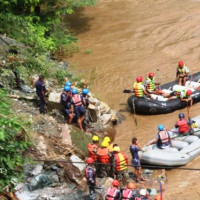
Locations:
column 160, row 127
column 74, row 91
column 181, row 115
column 67, row 88
column 68, row 83
column 85, row 91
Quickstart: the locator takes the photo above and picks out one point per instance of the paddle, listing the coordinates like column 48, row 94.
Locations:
column 135, row 116
column 127, row 91
column 158, row 78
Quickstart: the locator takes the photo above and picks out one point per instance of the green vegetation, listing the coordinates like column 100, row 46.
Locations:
column 12, row 144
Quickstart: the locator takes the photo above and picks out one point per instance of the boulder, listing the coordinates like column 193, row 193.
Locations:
column 77, row 162
column 104, row 119
column 54, row 97
column 37, row 170
column 65, row 134
column 104, row 108
column 41, row 146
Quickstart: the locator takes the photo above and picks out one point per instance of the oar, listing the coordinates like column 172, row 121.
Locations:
column 158, row 78
column 127, row 91
column 135, row 116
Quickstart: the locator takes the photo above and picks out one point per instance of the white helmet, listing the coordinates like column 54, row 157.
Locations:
column 143, row 192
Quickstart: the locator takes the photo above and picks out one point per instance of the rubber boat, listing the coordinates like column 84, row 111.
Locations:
column 162, row 105
column 183, row 150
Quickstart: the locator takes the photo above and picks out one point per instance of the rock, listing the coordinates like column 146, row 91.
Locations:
column 104, row 108
column 65, row 134
column 37, row 170
column 26, row 89
column 54, row 97
column 93, row 114
column 39, row 181
column 75, row 159
column 104, row 119
column 41, row 147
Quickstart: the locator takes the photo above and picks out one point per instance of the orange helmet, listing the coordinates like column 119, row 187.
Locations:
column 180, row 63
column 131, row 186
column 189, row 92
column 150, row 74
column 157, row 197
column 115, row 183
column 139, row 79
column 89, row 160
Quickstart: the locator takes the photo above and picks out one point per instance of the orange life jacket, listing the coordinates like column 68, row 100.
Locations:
column 121, row 161
column 103, row 155
column 112, row 193
column 77, row 100
column 127, row 194
column 182, row 126
column 164, row 137
column 91, row 149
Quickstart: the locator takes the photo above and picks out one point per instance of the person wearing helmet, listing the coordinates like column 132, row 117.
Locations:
column 184, row 125
column 129, row 192
column 134, row 149
column 65, row 100
column 182, row 73
column 120, row 166
column 113, row 192
column 93, row 147
column 103, row 157
column 139, row 89
column 77, row 107
column 110, row 147
column 151, row 85
column 90, row 174
column 185, row 96
column 162, row 139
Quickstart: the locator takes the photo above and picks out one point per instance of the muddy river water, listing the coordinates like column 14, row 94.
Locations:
column 121, row 39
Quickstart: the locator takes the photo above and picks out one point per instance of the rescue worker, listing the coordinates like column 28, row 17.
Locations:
column 183, row 125
column 66, row 102
column 134, row 149
column 130, row 192
column 151, row 85
column 107, row 139
column 90, row 174
column 114, row 192
column 78, row 108
column 162, row 139
column 139, row 89
column 41, row 92
column 93, row 147
column 182, row 73
column 186, row 96
column 120, row 168
column 103, row 157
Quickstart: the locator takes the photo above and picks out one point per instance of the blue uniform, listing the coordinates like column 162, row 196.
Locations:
column 135, row 157
column 66, row 102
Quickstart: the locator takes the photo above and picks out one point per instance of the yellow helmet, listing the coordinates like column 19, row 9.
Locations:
column 95, row 138
column 116, row 148
column 107, row 139
column 104, row 144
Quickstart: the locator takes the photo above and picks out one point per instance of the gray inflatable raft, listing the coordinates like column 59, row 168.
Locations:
column 183, row 150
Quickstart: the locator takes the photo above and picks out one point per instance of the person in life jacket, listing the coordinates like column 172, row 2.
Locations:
column 182, row 73
column 139, row 89
column 162, row 139
column 120, row 166
column 134, row 149
column 78, row 108
column 90, row 174
column 93, row 147
column 107, row 139
column 113, row 192
column 103, row 157
column 184, row 125
column 151, row 86
column 66, row 102
column 186, row 97
column 130, row 192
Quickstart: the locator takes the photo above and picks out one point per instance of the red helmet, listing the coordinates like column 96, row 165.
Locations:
column 180, row 63
column 89, row 160
column 115, row 183
column 151, row 74
column 139, row 79
column 189, row 92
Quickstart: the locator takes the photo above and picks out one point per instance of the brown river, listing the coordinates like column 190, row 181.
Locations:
column 127, row 38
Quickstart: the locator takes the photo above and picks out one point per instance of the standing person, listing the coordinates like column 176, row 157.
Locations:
column 134, row 149
column 90, row 174
column 130, row 192
column 41, row 92
column 93, row 147
column 162, row 139
column 114, row 192
column 78, row 108
column 120, row 166
column 182, row 73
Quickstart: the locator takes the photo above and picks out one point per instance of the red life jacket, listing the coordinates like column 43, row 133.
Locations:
column 91, row 149
column 121, row 161
column 183, row 126
column 164, row 137
column 112, row 193
column 77, row 100
column 127, row 194
column 103, row 155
